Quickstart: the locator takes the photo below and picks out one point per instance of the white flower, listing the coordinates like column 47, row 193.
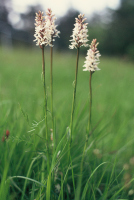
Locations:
column 92, row 58
column 45, row 28
column 40, row 31
column 79, row 35
column 50, row 24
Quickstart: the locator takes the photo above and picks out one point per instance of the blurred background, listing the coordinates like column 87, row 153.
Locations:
column 111, row 22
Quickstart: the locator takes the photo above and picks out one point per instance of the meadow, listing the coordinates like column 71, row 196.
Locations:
column 109, row 162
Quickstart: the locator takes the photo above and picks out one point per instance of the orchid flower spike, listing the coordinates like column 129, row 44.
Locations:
column 50, row 24
column 92, row 58
column 79, row 35
column 45, row 28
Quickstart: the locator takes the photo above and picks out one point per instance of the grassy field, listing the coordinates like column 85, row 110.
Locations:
column 109, row 161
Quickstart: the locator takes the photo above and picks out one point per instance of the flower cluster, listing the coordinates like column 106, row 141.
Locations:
column 79, row 33
column 40, row 29
column 92, row 58
column 45, row 28
column 50, row 24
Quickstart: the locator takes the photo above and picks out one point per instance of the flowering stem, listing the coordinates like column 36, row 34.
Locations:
column 51, row 88
column 51, row 77
column 72, row 115
column 45, row 98
column 74, row 95
column 90, row 103
column 87, row 137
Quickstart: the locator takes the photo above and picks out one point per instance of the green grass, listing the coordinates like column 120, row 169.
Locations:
column 21, row 112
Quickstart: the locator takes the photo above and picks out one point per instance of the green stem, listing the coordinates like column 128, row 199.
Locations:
column 51, row 88
column 45, row 98
column 90, row 102
column 87, row 136
column 51, row 78
column 72, row 116
column 90, row 109
column 74, row 95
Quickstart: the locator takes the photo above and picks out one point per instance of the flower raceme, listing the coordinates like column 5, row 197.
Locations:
column 40, row 29
column 79, row 35
column 50, row 24
column 92, row 58
column 45, row 28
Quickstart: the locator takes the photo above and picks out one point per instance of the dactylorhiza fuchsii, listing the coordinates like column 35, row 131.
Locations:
column 50, row 24
column 92, row 58
column 79, row 35
column 91, row 65
column 45, row 28
column 79, row 38
column 45, row 32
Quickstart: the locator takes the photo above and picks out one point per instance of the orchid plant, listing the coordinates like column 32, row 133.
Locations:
column 45, row 34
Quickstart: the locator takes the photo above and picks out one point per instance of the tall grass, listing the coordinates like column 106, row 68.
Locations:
column 21, row 112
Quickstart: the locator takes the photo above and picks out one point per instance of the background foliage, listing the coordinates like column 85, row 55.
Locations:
column 113, row 29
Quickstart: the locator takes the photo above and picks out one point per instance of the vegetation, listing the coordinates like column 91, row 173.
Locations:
column 113, row 28
column 109, row 160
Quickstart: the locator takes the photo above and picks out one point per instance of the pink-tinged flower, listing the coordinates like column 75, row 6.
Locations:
column 92, row 58
column 45, row 28
column 79, row 35
column 40, row 30
column 50, row 24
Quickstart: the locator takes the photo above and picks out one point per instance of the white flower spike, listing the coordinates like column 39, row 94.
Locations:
column 50, row 24
column 79, row 35
column 92, row 58
column 45, row 28
column 40, row 32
